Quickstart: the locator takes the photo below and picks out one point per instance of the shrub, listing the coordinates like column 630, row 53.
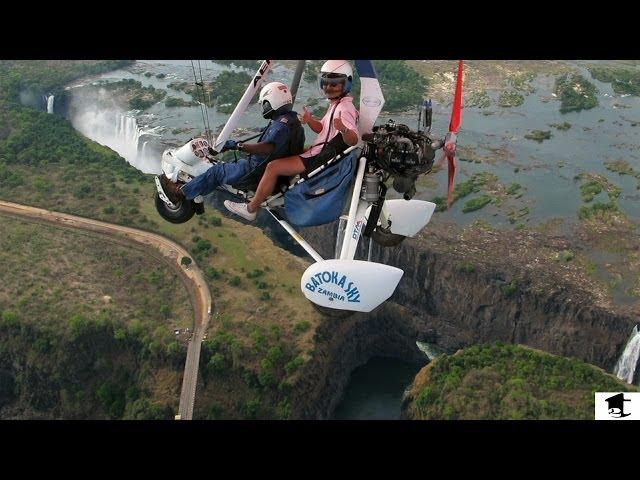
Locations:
column 293, row 365
column 301, row 326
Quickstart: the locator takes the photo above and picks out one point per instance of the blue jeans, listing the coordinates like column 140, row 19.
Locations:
column 221, row 173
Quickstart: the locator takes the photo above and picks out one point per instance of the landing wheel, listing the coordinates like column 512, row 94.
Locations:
column 385, row 238
column 332, row 312
column 182, row 213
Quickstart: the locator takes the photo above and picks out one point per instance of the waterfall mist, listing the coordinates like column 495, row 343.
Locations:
column 106, row 123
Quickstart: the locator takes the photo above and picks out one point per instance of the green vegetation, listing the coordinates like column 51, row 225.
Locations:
column 565, row 256
column 473, row 185
column 403, row 87
column 476, row 203
column 479, row 99
column 561, row 126
column 522, row 81
column 622, row 167
column 510, row 288
column 467, row 267
column 266, row 367
column 224, row 91
column 228, row 88
column 516, row 215
column 590, row 190
column 172, row 102
column 49, row 75
column 592, row 185
column 255, row 274
column 510, row 99
column 538, row 135
column 488, row 184
column 576, row 93
column 301, row 327
column 513, row 189
column 509, row 382
column 441, row 203
column 139, row 97
column 196, row 92
column 622, row 80
column 606, row 212
column 82, row 347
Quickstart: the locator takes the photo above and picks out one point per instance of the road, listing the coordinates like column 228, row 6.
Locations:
column 171, row 252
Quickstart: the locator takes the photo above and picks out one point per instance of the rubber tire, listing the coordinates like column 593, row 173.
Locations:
column 332, row 312
column 182, row 214
column 385, row 238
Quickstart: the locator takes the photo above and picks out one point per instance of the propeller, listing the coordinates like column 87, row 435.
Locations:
column 451, row 139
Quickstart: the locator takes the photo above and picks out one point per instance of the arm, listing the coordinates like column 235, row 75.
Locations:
column 263, row 148
column 346, row 126
column 314, row 124
column 350, row 137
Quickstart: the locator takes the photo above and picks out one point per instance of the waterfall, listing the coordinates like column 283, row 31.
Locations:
column 429, row 350
column 626, row 366
column 121, row 132
column 50, row 104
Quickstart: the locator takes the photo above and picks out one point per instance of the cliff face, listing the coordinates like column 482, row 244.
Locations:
column 459, row 290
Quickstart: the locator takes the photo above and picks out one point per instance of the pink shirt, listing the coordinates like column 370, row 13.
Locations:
column 349, row 116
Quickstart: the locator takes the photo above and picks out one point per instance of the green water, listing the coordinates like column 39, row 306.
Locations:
column 375, row 390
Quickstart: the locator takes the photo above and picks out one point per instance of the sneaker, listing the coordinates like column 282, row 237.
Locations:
column 240, row 208
column 171, row 189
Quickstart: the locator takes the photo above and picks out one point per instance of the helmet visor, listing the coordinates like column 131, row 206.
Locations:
column 266, row 107
column 332, row 79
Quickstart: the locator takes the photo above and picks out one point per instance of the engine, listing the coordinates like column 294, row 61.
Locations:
column 402, row 153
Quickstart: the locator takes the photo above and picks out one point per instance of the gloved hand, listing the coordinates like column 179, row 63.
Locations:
column 230, row 145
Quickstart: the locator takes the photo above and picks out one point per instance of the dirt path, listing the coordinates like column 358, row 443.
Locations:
column 172, row 253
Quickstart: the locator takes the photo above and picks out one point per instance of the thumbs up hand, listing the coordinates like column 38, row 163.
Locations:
column 306, row 116
column 339, row 125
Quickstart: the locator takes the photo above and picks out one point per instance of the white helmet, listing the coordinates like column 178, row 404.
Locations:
column 337, row 69
column 275, row 96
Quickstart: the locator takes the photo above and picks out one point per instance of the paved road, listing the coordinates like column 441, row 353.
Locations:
column 199, row 291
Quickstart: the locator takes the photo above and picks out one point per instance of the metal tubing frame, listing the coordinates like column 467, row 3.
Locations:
column 355, row 200
column 297, row 237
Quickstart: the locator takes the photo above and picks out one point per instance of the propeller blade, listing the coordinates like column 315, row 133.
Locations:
column 456, row 114
column 451, row 139
column 451, row 177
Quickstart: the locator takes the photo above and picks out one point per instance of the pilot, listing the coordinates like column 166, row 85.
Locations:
column 337, row 130
column 275, row 142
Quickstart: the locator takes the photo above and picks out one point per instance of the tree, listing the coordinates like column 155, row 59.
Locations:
column 186, row 261
column 165, row 310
